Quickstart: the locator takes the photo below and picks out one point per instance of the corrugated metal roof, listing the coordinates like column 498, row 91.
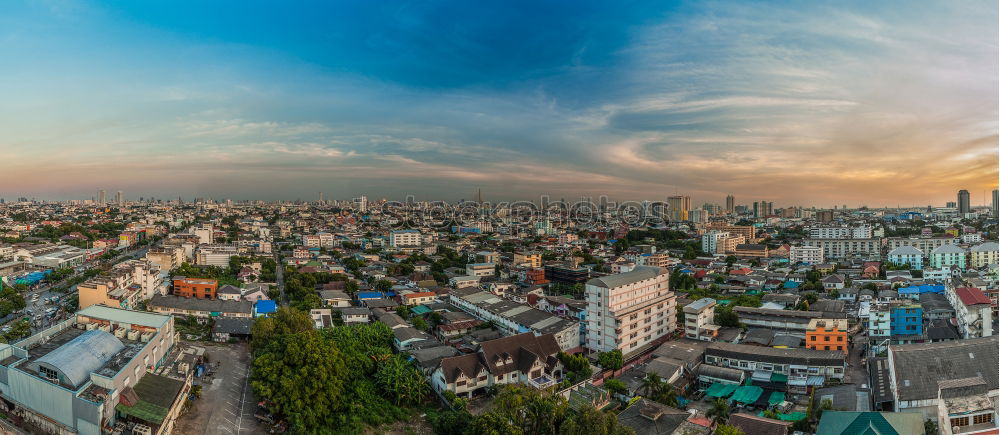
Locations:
column 81, row 356
column 126, row 316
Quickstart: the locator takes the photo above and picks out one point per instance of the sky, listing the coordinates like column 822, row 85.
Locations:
column 798, row 103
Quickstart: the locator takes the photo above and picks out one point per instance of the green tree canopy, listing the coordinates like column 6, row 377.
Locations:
column 303, row 376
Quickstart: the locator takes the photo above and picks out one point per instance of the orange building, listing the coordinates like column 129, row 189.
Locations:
column 827, row 334
column 201, row 288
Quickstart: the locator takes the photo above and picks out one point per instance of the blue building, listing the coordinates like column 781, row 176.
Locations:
column 907, row 319
column 914, row 292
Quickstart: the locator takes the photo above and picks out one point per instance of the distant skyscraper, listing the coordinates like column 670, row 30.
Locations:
column 963, row 202
column 678, row 207
column 102, row 197
column 118, row 197
column 321, row 197
column 996, row 203
column 951, row 204
column 730, row 204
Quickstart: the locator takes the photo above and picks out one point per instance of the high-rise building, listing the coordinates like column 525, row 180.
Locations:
column 963, row 202
column 951, row 204
column 321, row 197
column 730, row 204
column 996, row 203
column 102, row 197
column 678, row 207
column 763, row 209
column 361, row 204
column 627, row 311
column 118, row 198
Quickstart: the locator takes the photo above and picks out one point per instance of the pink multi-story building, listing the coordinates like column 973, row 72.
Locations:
column 627, row 311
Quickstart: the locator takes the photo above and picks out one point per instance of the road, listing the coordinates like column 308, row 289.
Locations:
column 279, row 275
column 857, row 373
column 44, row 292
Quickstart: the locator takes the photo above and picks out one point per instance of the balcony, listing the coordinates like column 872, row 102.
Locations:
column 543, row 381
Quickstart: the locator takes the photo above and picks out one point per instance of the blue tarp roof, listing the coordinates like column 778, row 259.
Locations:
column 920, row 289
column 791, row 284
column 369, row 295
column 266, row 306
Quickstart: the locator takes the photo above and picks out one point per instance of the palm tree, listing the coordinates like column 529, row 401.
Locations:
column 667, row 395
column 719, row 411
column 651, row 384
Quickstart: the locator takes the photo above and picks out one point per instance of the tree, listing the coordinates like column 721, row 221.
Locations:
column 725, row 316
column 450, row 422
column 285, row 321
column 615, row 386
column 577, row 367
column 492, row 423
column 612, row 360
column 930, row 427
column 651, row 384
column 420, row 323
column 725, row 429
column 302, row 375
column 719, row 412
column 401, row 381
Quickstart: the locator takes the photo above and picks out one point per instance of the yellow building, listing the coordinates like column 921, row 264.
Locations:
column 532, row 259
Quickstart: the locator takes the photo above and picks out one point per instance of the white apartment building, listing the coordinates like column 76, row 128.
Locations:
column 320, row 240
column 215, row 255
column 480, row 269
column 721, row 242
column 859, row 232
column 805, row 254
column 629, row 310
column 842, row 248
column 973, row 311
column 205, row 233
column 698, row 317
column 400, row 238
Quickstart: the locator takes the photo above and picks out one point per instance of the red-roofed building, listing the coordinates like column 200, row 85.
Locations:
column 418, row 298
column 973, row 311
column 743, row 271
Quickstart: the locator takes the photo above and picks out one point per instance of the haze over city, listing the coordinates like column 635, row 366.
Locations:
column 825, row 104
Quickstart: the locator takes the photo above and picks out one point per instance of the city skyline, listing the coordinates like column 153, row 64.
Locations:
column 822, row 105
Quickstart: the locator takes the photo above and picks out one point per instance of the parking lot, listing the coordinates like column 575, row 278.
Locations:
column 227, row 404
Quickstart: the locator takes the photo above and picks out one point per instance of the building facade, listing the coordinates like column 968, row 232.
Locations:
column 629, row 310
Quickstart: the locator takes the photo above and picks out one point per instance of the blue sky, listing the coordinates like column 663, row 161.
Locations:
column 877, row 103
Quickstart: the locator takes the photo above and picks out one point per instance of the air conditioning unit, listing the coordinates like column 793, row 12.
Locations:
column 142, row 429
column 105, row 328
column 133, row 335
column 147, row 336
column 120, row 333
column 91, row 326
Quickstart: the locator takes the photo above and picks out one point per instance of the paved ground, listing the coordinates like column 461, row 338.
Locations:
column 856, row 372
column 227, row 404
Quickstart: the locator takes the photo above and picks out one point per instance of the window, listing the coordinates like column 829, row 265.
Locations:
column 982, row 418
column 826, row 338
column 960, row 421
column 48, row 373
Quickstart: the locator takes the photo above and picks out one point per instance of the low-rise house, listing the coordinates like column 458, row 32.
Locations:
column 352, row 315
column 916, row 371
column 202, row 308
column 800, row 363
column 335, row 298
column 518, row 359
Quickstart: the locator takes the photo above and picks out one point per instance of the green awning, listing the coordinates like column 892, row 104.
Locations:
column 720, row 390
column 420, row 310
column 778, row 377
column 794, row 416
column 776, row 398
column 747, row 394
